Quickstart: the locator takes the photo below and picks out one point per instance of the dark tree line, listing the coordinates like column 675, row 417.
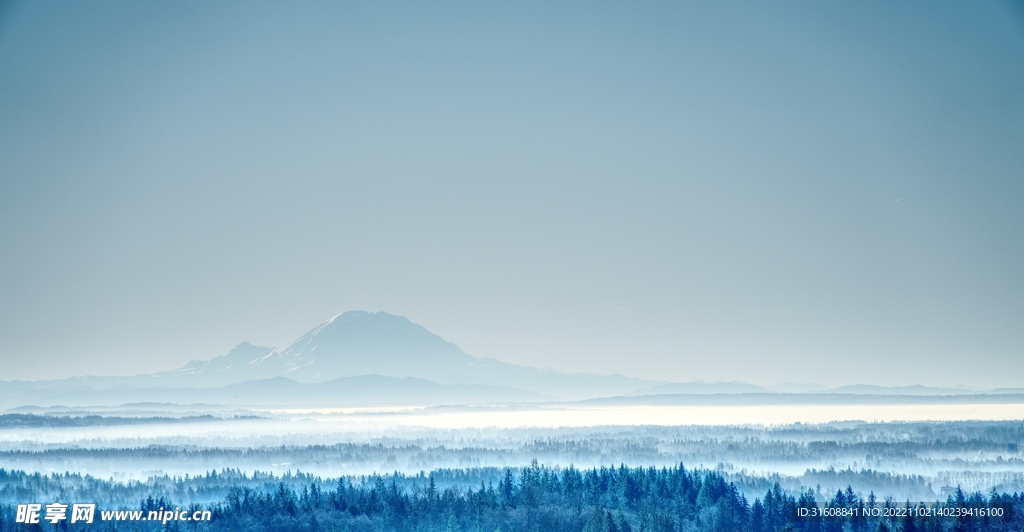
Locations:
column 924, row 457
column 538, row 498
column 8, row 421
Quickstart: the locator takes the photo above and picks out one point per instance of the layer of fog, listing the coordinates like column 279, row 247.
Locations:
column 904, row 458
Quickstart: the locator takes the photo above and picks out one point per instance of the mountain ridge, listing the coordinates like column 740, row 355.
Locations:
column 359, row 343
column 280, row 392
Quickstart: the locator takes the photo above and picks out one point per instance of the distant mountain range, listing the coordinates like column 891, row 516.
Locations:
column 361, row 358
column 700, row 387
column 358, row 343
column 279, row 392
column 355, row 358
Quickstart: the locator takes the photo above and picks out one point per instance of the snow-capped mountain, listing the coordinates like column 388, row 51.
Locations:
column 363, row 343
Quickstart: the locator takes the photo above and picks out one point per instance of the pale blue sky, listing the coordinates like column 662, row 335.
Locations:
column 766, row 192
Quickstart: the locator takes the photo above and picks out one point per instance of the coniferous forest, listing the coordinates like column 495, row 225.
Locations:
column 533, row 498
column 520, row 266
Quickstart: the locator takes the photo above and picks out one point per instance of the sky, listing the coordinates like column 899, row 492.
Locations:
column 767, row 192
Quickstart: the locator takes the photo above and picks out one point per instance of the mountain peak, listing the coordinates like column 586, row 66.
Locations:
column 359, row 343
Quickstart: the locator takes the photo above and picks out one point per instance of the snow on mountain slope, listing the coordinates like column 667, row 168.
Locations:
column 362, row 343
column 352, row 344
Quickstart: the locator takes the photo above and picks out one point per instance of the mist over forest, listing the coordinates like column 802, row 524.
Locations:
column 522, row 266
column 371, row 422
column 902, row 459
column 531, row 497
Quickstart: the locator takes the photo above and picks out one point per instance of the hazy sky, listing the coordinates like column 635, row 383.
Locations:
column 819, row 191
